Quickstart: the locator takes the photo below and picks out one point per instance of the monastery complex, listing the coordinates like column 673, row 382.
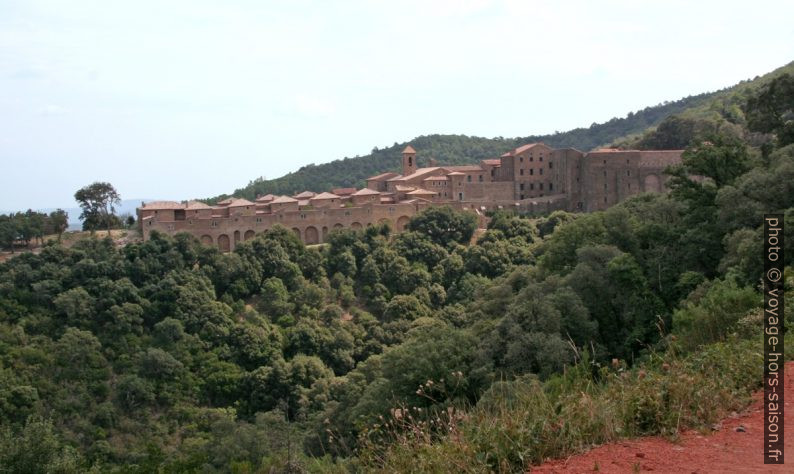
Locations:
column 531, row 178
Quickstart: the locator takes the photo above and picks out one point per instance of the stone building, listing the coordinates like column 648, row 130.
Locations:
column 532, row 178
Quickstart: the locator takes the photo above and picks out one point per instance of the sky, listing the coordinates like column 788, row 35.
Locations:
column 179, row 99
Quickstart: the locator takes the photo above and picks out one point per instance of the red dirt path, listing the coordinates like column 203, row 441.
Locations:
column 724, row 451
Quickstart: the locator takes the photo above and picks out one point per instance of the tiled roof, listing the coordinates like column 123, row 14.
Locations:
column 522, row 148
column 455, row 173
column 305, row 195
column 240, row 203
column 283, row 200
column 409, row 149
column 465, row 168
column 436, row 178
column 196, row 205
column 383, row 176
column 163, row 205
column 492, row 162
column 365, row 192
column 404, row 188
column 265, row 198
column 343, row 191
column 226, row 201
column 421, row 192
column 419, row 173
column 324, row 196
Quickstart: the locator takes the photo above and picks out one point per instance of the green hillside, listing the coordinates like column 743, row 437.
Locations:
column 720, row 107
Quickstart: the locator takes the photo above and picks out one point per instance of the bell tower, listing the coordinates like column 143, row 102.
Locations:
column 409, row 160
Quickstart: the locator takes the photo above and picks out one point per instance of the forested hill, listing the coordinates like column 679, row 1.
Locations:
column 457, row 149
column 462, row 149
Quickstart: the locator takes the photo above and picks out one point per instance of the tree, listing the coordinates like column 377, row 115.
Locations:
column 59, row 222
column 98, row 201
column 443, row 225
column 9, row 231
column 772, row 109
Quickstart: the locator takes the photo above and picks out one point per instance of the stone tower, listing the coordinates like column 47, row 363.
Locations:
column 409, row 160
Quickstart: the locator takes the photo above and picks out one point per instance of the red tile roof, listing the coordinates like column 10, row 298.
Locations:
column 283, row 200
column 383, row 176
column 436, row 178
column 240, row 203
column 324, row 196
column 404, row 188
column 163, row 205
column 343, row 191
column 265, row 198
column 409, row 149
column 305, row 195
column 421, row 192
column 365, row 192
column 465, row 168
column 492, row 162
column 196, row 205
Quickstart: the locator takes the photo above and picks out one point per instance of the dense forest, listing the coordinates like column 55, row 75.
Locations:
column 636, row 130
column 437, row 349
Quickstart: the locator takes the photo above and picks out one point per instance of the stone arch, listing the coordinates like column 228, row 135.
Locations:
column 325, row 233
column 249, row 234
column 311, row 235
column 236, row 237
column 223, row 243
column 356, row 226
column 297, row 232
column 206, row 239
column 338, row 226
column 652, row 184
column 402, row 222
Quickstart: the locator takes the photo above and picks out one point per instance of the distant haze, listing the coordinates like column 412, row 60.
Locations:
column 127, row 206
column 192, row 98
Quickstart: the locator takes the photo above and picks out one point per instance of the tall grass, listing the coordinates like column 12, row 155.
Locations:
column 521, row 423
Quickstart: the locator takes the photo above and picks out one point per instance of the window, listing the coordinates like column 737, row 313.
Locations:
column 532, row 171
column 468, row 178
column 521, row 171
column 605, row 185
column 605, row 172
column 629, row 185
column 551, row 164
column 541, row 158
column 480, row 178
column 531, row 186
column 258, row 220
column 410, row 161
column 541, row 171
column 540, row 186
column 531, row 158
column 522, row 197
column 521, row 186
column 551, row 186
column 521, row 159
column 628, row 172
column 460, row 196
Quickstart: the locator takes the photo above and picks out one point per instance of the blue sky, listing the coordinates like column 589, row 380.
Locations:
column 175, row 99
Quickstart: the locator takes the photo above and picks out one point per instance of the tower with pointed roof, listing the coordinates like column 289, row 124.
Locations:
column 409, row 160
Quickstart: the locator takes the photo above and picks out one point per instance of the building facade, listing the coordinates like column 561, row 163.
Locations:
column 531, row 178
